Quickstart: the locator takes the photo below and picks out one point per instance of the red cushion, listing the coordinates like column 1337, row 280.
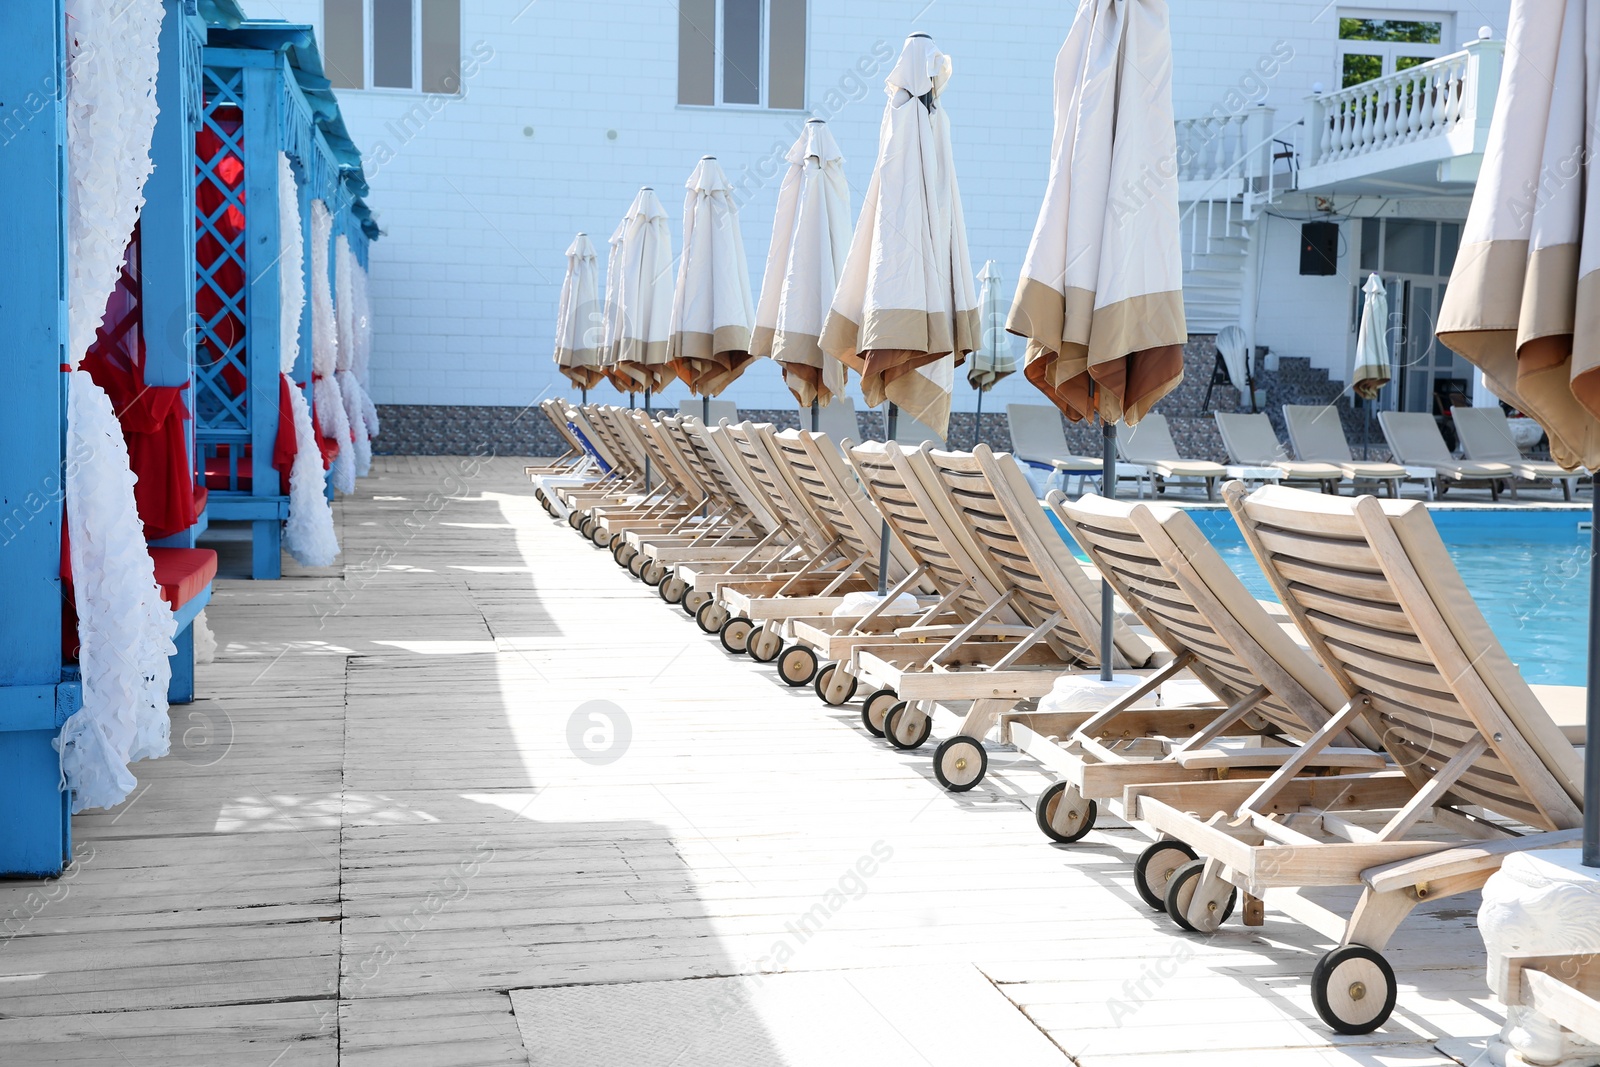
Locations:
column 217, row 473
column 183, row 573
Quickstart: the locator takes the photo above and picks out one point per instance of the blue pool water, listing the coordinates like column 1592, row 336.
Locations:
column 1528, row 570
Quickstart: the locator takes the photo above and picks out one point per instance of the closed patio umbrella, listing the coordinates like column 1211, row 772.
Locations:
column 810, row 240
column 708, row 343
column 992, row 360
column 577, row 351
column 905, row 314
column 1372, row 370
column 644, row 296
column 610, row 319
column 1523, row 302
column 1100, row 298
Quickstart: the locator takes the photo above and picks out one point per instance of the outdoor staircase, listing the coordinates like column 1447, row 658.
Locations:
column 1217, row 250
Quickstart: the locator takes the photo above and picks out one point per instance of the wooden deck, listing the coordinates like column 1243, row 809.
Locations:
column 374, row 844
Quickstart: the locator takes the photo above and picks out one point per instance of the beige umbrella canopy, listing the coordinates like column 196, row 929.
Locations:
column 577, row 352
column 610, row 318
column 992, row 359
column 1372, row 368
column 644, row 296
column 810, row 240
column 1100, row 298
column 905, row 314
column 708, row 342
column 1523, row 302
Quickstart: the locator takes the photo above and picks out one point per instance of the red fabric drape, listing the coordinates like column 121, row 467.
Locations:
column 152, row 416
column 285, row 447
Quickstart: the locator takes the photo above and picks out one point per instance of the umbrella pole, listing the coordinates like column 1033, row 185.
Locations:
column 1108, row 489
column 816, row 417
column 647, row 455
column 705, row 409
column 977, row 422
column 583, row 393
column 1366, row 427
column 890, row 419
column 1591, row 750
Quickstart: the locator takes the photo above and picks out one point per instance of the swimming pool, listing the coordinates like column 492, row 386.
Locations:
column 1527, row 569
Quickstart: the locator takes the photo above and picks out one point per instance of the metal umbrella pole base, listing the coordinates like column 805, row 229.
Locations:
column 1108, row 489
column 890, row 419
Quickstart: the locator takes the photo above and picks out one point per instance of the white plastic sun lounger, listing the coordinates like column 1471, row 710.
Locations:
column 1415, row 440
column 1486, row 437
column 1038, row 441
column 1318, row 436
column 1252, row 442
column 1150, row 445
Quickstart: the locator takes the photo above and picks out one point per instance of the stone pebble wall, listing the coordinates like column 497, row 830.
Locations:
column 452, row 430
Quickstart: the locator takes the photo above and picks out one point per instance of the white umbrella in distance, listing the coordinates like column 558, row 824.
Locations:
column 577, row 355
column 644, row 296
column 708, row 343
column 993, row 359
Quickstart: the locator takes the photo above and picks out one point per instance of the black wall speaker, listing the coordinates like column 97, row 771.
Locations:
column 1319, row 248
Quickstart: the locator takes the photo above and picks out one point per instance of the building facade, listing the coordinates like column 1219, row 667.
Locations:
column 553, row 115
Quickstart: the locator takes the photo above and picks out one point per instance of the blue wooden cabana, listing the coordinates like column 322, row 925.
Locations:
column 256, row 88
column 264, row 92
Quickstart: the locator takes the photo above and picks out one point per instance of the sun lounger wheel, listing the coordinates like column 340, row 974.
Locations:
column 711, row 616
column 831, row 688
column 653, row 573
column 960, row 763
column 1353, row 989
column 1153, row 870
column 797, row 665
column 735, row 635
column 600, row 537
column 765, row 644
column 875, row 708
column 671, row 588
column 907, row 726
column 1063, row 815
column 574, row 518
column 1180, row 892
column 692, row 601
column 637, row 563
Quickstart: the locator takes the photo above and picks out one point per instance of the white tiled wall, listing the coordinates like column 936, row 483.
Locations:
column 481, row 194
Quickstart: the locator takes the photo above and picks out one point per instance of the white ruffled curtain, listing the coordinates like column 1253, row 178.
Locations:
column 308, row 534
column 124, row 628
column 331, row 416
column 355, row 402
column 361, row 363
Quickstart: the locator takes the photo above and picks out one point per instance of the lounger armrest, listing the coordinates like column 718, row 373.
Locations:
column 1484, row 858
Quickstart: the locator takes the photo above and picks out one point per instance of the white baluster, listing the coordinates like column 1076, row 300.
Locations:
column 1430, row 114
column 1414, row 111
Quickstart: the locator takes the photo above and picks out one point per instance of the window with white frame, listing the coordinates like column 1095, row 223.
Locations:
column 742, row 53
column 393, row 44
column 1374, row 43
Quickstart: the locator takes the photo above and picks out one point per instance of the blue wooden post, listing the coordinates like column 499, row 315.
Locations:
column 264, row 98
column 167, row 259
column 36, row 691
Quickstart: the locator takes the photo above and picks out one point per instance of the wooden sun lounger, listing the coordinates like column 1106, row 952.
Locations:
column 1480, row 763
column 1486, row 437
column 825, row 494
column 1415, row 440
column 906, row 492
column 1318, row 436
column 1271, row 695
column 1037, row 580
column 1252, row 442
column 1150, row 445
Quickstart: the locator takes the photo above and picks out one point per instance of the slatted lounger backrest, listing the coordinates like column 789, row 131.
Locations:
column 1163, row 567
column 1371, row 585
column 765, row 474
column 1040, row 590
column 925, row 524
